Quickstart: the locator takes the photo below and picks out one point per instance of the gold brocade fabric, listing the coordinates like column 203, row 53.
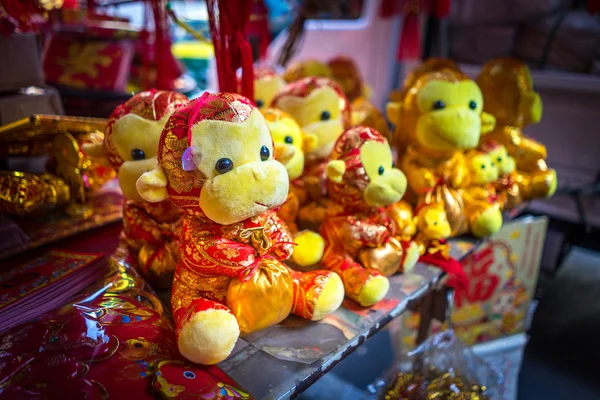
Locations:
column 151, row 231
column 263, row 300
column 308, row 286
column 189, row 286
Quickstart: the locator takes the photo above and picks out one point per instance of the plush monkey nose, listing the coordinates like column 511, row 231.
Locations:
column 259, row 173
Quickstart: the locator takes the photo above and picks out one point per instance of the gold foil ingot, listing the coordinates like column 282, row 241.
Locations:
column 264, row 300
column 385, row 259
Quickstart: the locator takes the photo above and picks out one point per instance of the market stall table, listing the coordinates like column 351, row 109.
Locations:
column 285, row 359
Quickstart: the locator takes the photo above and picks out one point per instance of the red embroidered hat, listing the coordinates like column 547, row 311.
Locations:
column 151, row 104
column 184, row 186
column 350, row 191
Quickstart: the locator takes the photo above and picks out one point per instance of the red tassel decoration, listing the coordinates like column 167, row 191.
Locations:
column 410, row 41
column 456, row 275
column 228, row 22
column 442, row 8
column 167, row 67
column 258, row 28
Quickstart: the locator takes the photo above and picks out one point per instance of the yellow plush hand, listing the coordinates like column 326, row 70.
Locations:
column 309, row 248
column 336, row 170
column 152, row 186
column 95, row 151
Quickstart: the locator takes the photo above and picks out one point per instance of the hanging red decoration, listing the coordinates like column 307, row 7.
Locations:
column 258, row 27
column 167, row 67
column 228, row 22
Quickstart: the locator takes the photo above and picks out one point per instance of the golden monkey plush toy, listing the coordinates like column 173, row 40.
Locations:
column 150, row 230
column 290, row 144
column 306, row 69
column 362, row 244
column 433, row 229
column 440, row 117
column 480, row 196
column 215, row 160
column 321, row 109
column 266, row 85
column 513, row 187
column 508, row 93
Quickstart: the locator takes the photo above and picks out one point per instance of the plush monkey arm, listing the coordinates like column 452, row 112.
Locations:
column 280, row 234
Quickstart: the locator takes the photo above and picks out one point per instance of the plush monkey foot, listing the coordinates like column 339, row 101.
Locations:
column 487, row 223
column 331, row 297
column 316, row 293
column 373, row 290
column 411, row 257
column 208, row 336
column 545, row 183
column 309, row 249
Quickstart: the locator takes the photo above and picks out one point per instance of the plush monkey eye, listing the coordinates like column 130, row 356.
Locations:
column 138, row 154
column 264, row 153
column 435, row 223
column 288, row 140
column 325, row 115
column 224, row 165
column 438, row 105
column 381, row 170
column 189, row 375
column 259, row 103
column 499, row 159
column 472, row 105
column 482, row 166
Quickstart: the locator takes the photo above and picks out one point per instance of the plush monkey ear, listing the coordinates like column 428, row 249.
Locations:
column 95, row 151
column 531, row 106
column 335, row 170
column 310, row 142
column 488, row 122
column 152, row 186
column 393, row 111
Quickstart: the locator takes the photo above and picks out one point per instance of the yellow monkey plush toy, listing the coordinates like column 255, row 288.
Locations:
column 362, row 242
column 151, row 231
column 290, row 144
column 320, row 108
column 508, row 93
column 266, row 85
column 215, row 160
column 440, row 116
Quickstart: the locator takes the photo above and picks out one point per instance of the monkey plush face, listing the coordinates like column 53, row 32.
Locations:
column 361, row 172
column 320, row 108
column 290, row 142
column 216, row 154
column 266, row 85
column 450, row 115
column 132, row 135
column 432, row 222
column 499, row 155
column 439, row 112
column 482, row 168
